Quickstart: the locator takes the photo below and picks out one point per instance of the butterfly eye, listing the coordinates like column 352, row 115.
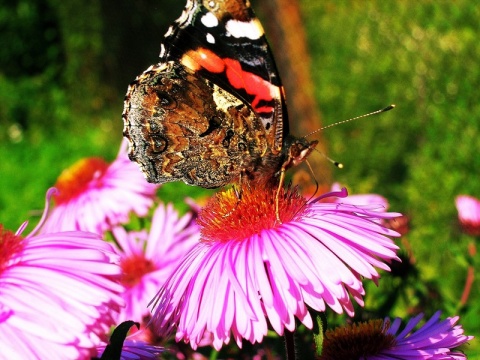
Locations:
column 165, row 100
column 159, row 143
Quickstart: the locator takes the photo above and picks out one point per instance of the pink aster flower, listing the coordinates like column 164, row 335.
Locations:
column 249, row 271
column 149, row 258
column 94, row 195
column 381, row 340
column 469, row 214
column 58, row 294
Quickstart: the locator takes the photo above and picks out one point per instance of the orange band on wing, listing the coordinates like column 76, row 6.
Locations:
column 203, row 58
column 253, row 84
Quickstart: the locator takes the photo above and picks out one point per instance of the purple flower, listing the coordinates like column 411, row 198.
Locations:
column 136, row 350
column 148, row 259
column 94, row 195
column 58, row 294
column 250, row 272
column 382, row 340
column 469, row 214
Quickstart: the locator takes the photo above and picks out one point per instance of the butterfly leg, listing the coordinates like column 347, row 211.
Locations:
column 277, row 195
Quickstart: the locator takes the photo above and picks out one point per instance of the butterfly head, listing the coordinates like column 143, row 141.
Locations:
column 296, row 151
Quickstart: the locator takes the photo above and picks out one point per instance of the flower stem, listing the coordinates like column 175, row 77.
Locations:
column 290, row 345
column 472, row 250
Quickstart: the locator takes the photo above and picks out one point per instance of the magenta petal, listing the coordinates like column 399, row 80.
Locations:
column 231, row 288
column 59, row 296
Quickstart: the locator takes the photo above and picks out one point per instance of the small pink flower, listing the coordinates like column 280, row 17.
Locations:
column 148, row 259
column 58, row 294
column 469, row 214
column 94, row 195
column 250, row 272
column 381, row 340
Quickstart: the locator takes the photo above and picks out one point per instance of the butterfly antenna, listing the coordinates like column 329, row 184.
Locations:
column 334, row 162
column 390, row 107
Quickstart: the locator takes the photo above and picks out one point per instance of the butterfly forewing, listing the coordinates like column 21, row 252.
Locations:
column 225, row 42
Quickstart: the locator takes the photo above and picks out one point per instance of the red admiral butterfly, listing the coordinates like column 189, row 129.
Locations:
column 212, row 111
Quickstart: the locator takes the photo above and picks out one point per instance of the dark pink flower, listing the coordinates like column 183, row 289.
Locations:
column 58, row 294
column 469, row 214
column 149, row 258
column 94, row 195
column 250, row 272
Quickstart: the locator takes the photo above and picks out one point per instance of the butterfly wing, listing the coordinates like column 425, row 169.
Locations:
column 224, row 41
column 212, row 112
column 182, row 127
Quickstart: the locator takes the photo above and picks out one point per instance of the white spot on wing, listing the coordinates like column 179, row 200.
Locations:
column 252, row 30
column 210, row 38
column 209, row 20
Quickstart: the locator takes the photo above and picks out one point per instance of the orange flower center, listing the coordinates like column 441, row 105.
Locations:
column 231, row 216
column 134, row 268
column 10, row 245
column 79, row 177
column 357, row 341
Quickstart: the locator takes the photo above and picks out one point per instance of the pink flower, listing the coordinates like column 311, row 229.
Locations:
column 148, row 259
column 94, row 195
column 249, row 271
column 136, row 350
column 58, row 294
column 469, row 214
column 380, row 340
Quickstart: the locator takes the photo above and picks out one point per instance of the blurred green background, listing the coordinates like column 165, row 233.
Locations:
column 65, row 67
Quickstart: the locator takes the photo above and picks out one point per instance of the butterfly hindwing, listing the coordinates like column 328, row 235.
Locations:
column 182, row 127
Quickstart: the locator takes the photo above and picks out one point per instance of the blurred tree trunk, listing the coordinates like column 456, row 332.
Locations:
column 285, row 31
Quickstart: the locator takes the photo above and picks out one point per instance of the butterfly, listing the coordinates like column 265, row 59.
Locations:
column 212, row 112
